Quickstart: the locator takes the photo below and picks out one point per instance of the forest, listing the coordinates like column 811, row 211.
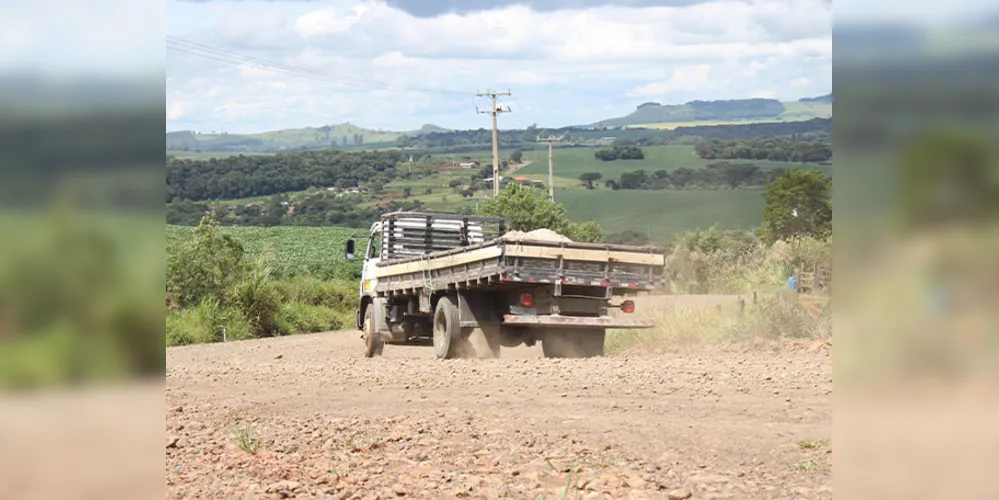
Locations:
column 247, row 176
column 713, row 176
column 772, row 149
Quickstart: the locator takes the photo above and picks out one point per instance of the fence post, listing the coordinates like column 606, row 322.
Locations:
column 742, row 306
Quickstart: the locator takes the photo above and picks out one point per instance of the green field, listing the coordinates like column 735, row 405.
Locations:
column 661, row 214
column 572, row 162
column 294, row 251
column 802, row 111
column 206, row 155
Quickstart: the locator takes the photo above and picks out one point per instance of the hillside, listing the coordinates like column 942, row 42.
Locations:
column 342, row 136
column 731, row 112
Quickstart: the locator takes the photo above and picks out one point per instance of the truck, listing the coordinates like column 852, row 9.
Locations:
column 436, row 279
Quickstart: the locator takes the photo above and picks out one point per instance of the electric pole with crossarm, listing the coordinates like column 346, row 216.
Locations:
column 551, row 176
column 494, row 110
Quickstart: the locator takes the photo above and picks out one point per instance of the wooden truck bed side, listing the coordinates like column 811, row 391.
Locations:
column 502, row 261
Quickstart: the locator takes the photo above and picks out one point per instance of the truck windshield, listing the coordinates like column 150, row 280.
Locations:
column 373, row 245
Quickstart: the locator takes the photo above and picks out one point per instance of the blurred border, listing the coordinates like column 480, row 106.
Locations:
column 917, row 239
column 82, row 261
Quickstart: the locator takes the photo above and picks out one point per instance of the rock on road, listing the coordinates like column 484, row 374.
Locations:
column 308, row 417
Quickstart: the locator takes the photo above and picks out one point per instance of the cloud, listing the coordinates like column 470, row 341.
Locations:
column 798, row 83
column 176, row 110
column 684, row 79
column 390, row 64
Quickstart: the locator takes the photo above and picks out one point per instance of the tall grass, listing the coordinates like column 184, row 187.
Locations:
column 716, row 261
column 770, row 319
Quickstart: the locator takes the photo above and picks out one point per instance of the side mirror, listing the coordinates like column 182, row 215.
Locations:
column 349, row 250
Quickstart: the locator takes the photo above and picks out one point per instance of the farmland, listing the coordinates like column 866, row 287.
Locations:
column 572, row 162
column 294, row 251
column 662, row 214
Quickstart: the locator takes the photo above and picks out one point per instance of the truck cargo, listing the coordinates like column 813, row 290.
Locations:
column 437, row 278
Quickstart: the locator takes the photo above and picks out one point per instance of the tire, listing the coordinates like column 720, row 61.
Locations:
column 447, row 331
column 573, row 343
column 373, row 344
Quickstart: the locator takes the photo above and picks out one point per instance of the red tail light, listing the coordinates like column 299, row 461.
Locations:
column 527, row 299
column 628, row 306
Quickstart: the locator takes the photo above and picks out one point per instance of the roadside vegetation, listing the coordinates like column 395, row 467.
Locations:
column 216, row 291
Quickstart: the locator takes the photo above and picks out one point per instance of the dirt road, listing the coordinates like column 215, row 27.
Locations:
column 702, row 424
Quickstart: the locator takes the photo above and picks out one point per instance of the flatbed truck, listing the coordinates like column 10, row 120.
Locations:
column 435, row 278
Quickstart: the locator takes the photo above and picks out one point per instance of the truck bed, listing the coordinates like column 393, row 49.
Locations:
column 501, row 261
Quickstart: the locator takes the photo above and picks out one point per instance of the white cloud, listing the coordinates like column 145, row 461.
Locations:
column 176, row 110
column 798, row 83
column 552, row 60
column 684, row 79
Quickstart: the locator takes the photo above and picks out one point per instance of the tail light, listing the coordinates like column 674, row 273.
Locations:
column 527, row 299
column 628, row 306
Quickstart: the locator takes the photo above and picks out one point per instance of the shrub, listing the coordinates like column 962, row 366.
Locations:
column 298, row 317
column 205, row 323
column 314, row 291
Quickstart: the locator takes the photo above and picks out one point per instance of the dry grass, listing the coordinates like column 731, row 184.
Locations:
column 772, row 318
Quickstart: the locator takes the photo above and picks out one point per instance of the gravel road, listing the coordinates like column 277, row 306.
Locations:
column 309, row 417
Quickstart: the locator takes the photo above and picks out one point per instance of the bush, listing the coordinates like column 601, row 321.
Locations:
column 258, row 299
column 316, row 292
column 298, row 317
column 205, row 323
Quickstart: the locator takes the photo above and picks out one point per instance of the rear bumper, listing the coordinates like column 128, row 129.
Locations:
column 556, row 321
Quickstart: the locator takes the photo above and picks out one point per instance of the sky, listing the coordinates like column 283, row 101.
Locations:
column 399, row 64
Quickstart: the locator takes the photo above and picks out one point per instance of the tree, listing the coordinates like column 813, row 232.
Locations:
column 407, row 192
column 516, row 156
column 605, row 154
column 206, row 266
column 798, row 203
column 611, row 183
column 528, row 209
column 589, row 178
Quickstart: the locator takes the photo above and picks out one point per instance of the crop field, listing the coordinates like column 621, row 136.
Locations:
column 801, row 111
column 674, row 125
column 293, row 251
column 573, row 162
column 662, row 214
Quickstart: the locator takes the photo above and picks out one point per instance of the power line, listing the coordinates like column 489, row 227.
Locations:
column 494, row 110
column 208, row 52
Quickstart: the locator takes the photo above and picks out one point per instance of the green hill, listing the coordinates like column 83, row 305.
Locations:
column 737, row 111
column 694, row 111
column 342, row 136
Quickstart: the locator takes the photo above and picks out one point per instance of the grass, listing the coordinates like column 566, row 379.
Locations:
column 207, row 155
column 662, row 214
column 295, row 251
column 675, row 125
column 573, row 162
column 811, row 445
column 725, row 325
column 810, row 464
column 246, row 440
column 802, row 111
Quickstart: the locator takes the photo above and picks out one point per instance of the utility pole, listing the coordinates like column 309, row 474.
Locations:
column 494, row 110
column 551, row 176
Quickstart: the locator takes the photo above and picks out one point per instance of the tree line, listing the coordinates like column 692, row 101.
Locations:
column 713, row 176
column 319, row 209
column 772, row 149
column 456, row 141
column 246, row 176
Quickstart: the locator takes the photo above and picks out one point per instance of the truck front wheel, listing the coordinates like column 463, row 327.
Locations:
column 573, row 342
column 373, row 344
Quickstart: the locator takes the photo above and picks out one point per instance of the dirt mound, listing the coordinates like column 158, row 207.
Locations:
column 545, row 235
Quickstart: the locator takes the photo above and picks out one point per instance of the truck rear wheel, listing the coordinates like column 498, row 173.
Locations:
column 373, row 344
column 448, row 338
column 573, row 342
